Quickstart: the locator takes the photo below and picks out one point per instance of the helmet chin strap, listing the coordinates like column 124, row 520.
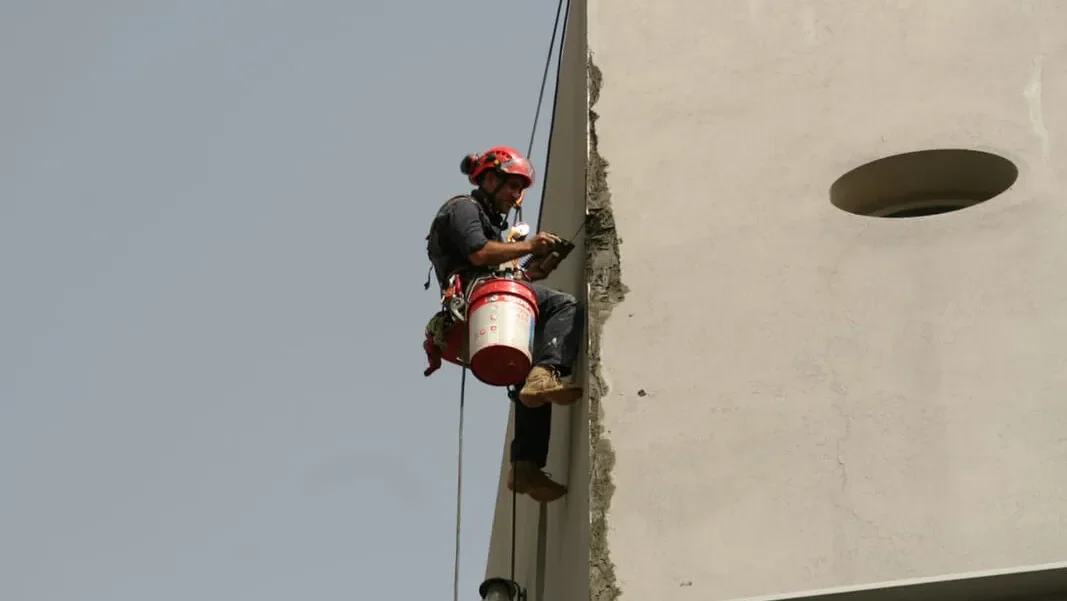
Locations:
column 498, row 189
column 491, row 196
column 518, row 207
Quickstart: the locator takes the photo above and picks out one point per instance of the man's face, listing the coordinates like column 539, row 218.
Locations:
column 509, row 194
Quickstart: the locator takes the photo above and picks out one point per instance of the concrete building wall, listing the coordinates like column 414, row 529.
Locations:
column 785, row 396
column 802, row 397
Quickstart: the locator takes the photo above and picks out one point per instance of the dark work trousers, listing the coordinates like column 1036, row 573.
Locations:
column 556, row 345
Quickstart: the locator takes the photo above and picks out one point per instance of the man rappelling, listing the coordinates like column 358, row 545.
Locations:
column 468, row 240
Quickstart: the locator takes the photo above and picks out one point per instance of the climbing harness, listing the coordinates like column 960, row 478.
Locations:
column 497, row 303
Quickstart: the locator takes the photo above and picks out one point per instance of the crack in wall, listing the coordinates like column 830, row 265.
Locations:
column 842, row 441
column 603, row 278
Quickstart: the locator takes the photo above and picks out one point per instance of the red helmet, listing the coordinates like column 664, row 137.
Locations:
column 501, row 159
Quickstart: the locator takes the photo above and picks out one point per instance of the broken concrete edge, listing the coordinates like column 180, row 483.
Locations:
column 605, row 289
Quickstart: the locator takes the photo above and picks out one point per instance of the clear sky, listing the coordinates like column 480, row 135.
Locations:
column 212, row 216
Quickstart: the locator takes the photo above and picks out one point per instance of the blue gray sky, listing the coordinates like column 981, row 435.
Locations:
column 211, row 247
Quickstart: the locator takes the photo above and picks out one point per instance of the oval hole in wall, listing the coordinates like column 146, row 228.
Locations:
column 923, row 183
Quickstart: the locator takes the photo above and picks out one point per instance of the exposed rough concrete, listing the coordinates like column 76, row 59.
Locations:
column 603, row 275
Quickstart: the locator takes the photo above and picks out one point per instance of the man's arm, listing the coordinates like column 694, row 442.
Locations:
column 466, row 232
column 494, row 252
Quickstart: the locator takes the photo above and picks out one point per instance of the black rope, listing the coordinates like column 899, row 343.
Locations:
column 514, row 495
column 544, row 78
column 514, row 504
column 555, row 102
column 541, row 94
column 459, row 480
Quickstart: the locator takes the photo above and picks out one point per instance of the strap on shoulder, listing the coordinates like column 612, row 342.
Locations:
column 442, row 208
column 431, row 244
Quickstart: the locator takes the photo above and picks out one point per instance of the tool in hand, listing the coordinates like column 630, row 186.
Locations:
column 547, row 262
column 554, row 257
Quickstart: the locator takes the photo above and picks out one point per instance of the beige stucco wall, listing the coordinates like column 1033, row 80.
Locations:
column 830, row 399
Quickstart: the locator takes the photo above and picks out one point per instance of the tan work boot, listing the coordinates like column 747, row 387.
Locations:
column 543, row 386
column 526, row 478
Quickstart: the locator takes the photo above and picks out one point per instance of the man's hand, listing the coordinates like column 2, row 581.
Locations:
column 535, row 270
column 542, row 243
column 534, row 273
column 495, row 252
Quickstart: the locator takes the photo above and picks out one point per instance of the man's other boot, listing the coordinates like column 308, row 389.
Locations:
column 526, row 478
column 543, row 386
